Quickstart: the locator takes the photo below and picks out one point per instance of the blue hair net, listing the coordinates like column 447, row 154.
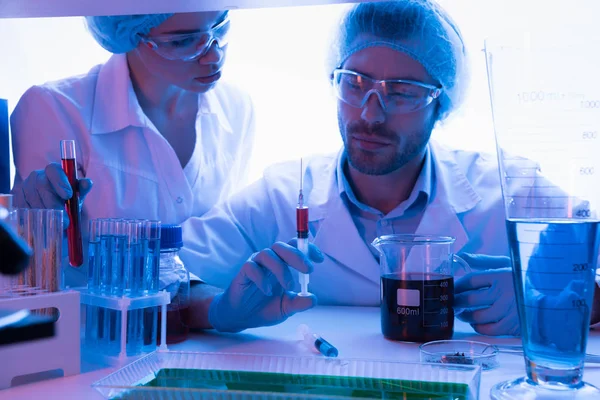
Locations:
column 120, row 33
column 419, row 28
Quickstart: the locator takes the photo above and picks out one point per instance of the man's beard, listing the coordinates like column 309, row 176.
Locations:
column 403, row 149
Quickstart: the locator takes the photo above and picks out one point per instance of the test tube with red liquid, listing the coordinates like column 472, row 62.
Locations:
column 69, row 166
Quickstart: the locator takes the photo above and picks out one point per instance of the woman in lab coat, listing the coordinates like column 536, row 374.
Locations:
column 157, row 132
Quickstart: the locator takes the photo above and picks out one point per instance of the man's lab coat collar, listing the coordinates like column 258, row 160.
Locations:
column 338, row 237
column 424, row 180
column 116, row 105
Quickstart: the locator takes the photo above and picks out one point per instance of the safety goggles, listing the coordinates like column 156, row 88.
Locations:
column 396, row 96
column 188, row 46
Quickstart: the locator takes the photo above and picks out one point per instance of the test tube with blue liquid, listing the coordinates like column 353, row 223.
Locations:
column 94, row 271
column 124, row 260
column 119, row 257
column 133, row 278
column 149, row 316
column 134, row 264
column 94, row 255
column 152, row 236
column 112, row 241
column 99, row 280
column 107, row 244
column 105, row 281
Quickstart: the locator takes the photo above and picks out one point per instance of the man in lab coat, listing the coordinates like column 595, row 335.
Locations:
column 398, row 69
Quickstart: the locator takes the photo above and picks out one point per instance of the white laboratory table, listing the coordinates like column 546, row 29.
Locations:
column 355, row 331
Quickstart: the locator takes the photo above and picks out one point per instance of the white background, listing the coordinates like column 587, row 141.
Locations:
column 278, row 56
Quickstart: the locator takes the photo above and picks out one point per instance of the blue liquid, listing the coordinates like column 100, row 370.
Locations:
column 91, row 326
column 119, row 269
column 107, row 319
column 94, row 279
column 107, row 244
column 135, row 343
column 149, row 329
column 103, row 331
column 554, row 269
column 118, row 260
column 326, row 348
column 152, row 267
column 134, row 270
column 94, row 265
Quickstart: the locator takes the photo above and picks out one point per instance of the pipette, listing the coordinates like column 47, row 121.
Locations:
column 302, row 234
column 314, row 341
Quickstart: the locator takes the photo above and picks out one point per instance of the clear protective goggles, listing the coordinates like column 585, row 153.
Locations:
column 396, row 96
column 189, row 46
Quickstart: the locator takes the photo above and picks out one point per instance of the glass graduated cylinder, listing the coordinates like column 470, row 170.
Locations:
column 554, row 272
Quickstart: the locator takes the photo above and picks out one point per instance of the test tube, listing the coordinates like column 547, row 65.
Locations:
column 69, row 166
column 133, row 280
column 10, row 219
column 131, row 267
column 48, row 246
column 106, row 318
column 107, row 244
column 94, row 255
column 149, row 316
column 151, row 234
column 26, row 230
column 94, row 273
column 119, row 257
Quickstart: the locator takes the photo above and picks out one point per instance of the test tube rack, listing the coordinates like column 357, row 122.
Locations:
column 125, row 304
column 30, row 360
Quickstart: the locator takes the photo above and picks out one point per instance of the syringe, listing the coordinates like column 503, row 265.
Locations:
column 316, row 342
column 302, row 234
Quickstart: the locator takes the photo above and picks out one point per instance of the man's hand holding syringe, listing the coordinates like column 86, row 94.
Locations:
column 262, row 294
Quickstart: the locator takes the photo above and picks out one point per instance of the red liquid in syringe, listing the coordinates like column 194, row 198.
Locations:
column 69, row 166
column 302, row 222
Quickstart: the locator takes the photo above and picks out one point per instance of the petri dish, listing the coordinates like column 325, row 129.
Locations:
column 463, row 352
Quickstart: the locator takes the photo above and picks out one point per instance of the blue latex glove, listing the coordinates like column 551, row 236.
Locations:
column 49, row 188
column 487, row 295
column 260, row 294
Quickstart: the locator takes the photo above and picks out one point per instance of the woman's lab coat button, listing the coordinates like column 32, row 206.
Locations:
column 179, row 200
column 384, row 222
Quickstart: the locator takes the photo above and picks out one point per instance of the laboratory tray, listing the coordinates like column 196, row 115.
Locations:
column 179, row 375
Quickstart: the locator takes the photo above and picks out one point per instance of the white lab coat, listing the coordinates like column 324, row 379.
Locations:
column 136, row 173
column 466, row 204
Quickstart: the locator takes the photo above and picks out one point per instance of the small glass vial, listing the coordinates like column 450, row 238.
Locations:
column 175, row 279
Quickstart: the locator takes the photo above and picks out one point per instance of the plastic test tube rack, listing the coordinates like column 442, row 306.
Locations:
column 60, row 352
column 125, row 304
